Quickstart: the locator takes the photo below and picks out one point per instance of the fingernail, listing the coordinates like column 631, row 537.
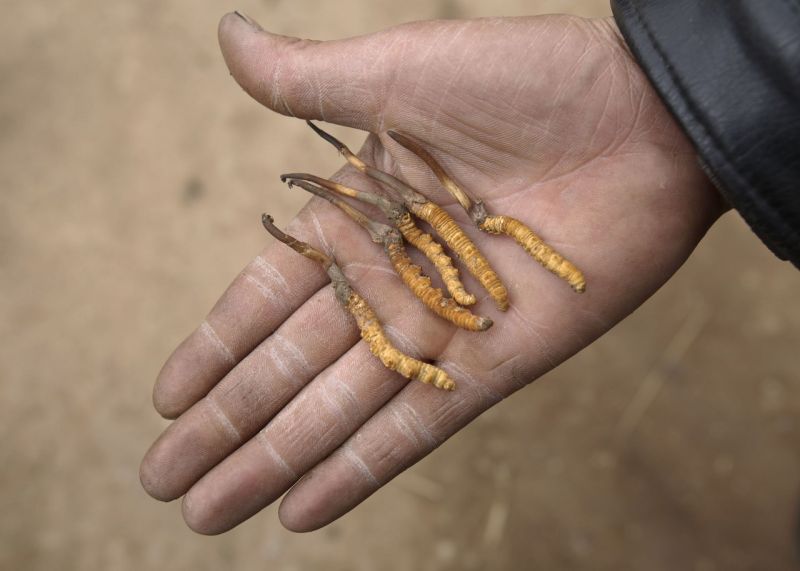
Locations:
column 248, row 19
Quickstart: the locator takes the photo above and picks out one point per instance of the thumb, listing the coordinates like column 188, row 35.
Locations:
column 335, row 81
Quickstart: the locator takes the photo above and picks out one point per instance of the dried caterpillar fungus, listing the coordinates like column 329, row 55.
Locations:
column 410, row 273
column 537, row 248
column 368, row 323
column 438, row 218
column 467, row 251
column 398, row 215
column 432, row 250
column 391, row 357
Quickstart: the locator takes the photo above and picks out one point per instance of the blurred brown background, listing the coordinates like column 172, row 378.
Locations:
column 132, row 174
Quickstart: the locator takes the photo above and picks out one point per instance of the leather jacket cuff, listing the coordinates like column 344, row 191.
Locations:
column 729, row 71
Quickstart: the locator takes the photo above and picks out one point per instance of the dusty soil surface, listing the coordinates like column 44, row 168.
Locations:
column 133, row 170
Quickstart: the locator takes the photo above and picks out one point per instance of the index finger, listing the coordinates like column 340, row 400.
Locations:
column 264, row 294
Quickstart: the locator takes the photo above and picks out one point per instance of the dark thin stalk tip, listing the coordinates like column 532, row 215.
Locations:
column 269, row 224
column 396, row 136
column 328, row 137
column 393, row 134
column 313, row 189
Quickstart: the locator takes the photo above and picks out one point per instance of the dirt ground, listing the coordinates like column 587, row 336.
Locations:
column 133, row 170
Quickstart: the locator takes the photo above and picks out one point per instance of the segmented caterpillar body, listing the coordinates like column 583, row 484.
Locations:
column 432, row 297
column 432, row 250
column 523, row 235
column 460, row 243
column 392, row 358
column 538, row 249
column 410, row 274
column 398, row 214
column 368, row 324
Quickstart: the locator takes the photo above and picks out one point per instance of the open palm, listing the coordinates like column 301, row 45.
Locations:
column 546, row 119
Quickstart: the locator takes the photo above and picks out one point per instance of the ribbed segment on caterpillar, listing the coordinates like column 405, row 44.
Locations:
column 423, row 242
column 465, row 249
column 392, row 358
column 537, row 248
column 432, row 297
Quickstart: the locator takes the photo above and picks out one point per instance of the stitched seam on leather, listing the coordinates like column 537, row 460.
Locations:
column 697, row 117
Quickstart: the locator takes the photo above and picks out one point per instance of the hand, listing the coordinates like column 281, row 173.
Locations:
column 547, row 119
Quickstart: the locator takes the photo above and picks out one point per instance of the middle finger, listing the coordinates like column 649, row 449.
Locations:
column 319, row 418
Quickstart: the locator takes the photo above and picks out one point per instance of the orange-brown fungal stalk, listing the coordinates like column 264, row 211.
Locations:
column 368, row 323
column 538, row 249
column 410, row 274
column 437, row 217
column 398, row 215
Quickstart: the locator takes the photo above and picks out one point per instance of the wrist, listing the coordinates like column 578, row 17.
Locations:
column 612, row 31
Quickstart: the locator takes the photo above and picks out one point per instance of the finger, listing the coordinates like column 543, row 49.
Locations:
column 486, row 368
column 338, row 81
column 317, row 333
column 248, row 396
column 261, row 297
column 315, row 422
column 409, row 427
column 320, row 418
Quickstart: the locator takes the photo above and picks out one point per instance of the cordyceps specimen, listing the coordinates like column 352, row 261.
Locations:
column 437, row 217
column 411, row 274
column 538, row 249
column 401, row 218
column 371, row 330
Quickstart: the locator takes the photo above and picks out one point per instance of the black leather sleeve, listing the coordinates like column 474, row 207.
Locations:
column 729, row 71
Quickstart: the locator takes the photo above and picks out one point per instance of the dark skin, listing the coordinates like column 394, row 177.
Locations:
column 548, row 119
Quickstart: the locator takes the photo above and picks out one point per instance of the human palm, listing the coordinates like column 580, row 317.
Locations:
column 545, row 119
